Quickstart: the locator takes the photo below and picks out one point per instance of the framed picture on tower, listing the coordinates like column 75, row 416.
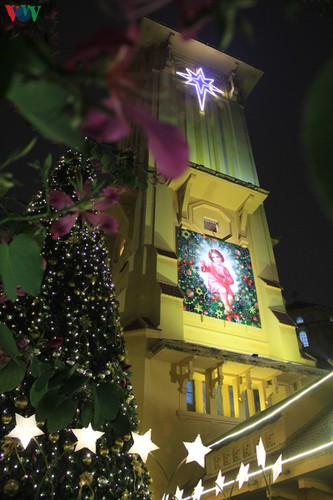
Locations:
column 216, row 278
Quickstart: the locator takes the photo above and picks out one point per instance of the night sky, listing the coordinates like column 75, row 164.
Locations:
column 290, row 53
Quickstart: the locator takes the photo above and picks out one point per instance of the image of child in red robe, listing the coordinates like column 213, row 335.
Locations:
column 219, row 278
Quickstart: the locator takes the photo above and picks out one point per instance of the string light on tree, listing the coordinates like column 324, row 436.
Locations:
column 76, row 374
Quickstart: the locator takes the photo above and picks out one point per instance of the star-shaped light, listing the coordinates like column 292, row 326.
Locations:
column 179, row 494
column 219, row 483
column 25, row 429
column 261, row 454
column 87, row 438
column 143, row 445
column 197, row 451
column 198, row 490
column 202, row 84
column 277, row 468
column 243, row 475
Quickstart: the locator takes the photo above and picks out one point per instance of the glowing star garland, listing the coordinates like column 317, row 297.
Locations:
column 243, row 475
column 202, row 85
column 261, row 454
column 143, row 445
column 179, row 493
column 219, row 483
column 87, row 438
column 196, row 451
column 277, row 469
column 25, row 429
column 198, row 490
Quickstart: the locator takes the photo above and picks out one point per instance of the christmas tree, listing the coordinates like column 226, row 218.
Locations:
column 67, row 425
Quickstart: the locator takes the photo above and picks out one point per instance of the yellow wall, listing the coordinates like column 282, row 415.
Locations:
column 221, row 185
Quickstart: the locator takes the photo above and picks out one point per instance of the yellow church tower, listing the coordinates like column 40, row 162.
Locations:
column 207, row 334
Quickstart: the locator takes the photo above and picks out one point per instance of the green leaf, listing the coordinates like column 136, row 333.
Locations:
column 21, row 265
column 73, row 384
column 6, row 182
column 48, row 403
column 10, row 49
column 7, row 341
column 39, row 388
column 108, row 400
column 98, row 419
column 62, row 415
column 36, row 368
column 317, row 134
column 59, row 364
column 18, row 153
column 46, row 106
column 122, row 424
column 87, row 414
column 62, row 375
column 11, row 375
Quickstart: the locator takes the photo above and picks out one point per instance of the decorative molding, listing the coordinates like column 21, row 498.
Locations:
column 181, row 372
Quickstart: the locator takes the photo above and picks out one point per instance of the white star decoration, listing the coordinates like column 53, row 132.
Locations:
column 196, row 451
column 143, row 445
column 87, row 438
column 198, row 490
column 243, row 475
column 25, row 429
column 179, row 494
column 277, row 468
column 261, row 454
column 219, row 483
column 202, row 85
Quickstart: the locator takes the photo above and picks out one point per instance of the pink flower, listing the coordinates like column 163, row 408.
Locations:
column 105, row 222
column 3, row 296
column 54, row 343
column 166, row 142
column 193, row 16
column 119, row 43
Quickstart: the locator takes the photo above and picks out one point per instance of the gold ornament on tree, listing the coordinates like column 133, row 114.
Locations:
column 11, row 488
column 6, row 418
column 21, row 402
column 104, row 451
column 53, row 437
column 87, row 459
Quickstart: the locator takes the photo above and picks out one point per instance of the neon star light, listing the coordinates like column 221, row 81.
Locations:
column 202, row 85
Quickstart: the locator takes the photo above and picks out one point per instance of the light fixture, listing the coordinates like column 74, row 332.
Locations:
column 202, row 85
column 25, row 429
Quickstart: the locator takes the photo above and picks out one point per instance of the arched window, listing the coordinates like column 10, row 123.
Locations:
column 299, row 320
column 303, row 338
